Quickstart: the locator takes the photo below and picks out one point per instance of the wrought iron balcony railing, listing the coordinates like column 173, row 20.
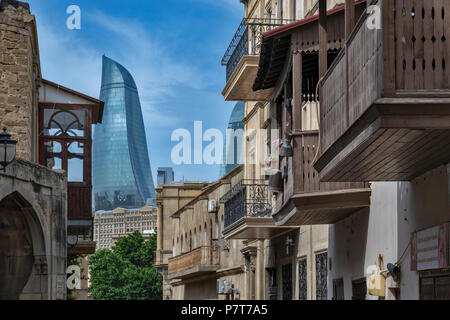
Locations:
column 248, row 198
column 247, row 40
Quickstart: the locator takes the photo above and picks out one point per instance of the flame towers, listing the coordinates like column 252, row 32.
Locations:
column 233, row 147
column 122, row 175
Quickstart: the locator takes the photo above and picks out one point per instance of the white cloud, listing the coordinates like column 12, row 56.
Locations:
column 65, row 61
column 150, row 61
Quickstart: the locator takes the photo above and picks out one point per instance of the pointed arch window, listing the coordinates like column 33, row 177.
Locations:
column 65, row 141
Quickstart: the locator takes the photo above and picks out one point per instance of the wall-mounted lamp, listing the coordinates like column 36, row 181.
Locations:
column 394, row 271
column 7, row 149
column 289, row 243
column 286, row 149
column 72, row 240
column 288, row 102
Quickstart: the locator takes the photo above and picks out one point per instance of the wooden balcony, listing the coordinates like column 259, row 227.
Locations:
column 80, row 221
column 200, row 261
column 248, row 212
column 385, row 101
column 311, row 202
column 79, row 203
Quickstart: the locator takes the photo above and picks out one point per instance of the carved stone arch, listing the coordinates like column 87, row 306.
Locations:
column 28, row 201
column 23, row 254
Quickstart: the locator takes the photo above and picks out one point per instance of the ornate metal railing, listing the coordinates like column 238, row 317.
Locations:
column 248, row 198
column 247, row 40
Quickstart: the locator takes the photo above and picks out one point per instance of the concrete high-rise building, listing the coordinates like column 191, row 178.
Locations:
column 233, row 146
column 165, row 175
column 121, row 168
column 109, row 226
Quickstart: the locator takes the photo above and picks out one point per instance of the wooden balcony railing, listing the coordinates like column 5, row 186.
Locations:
column 386, row 90
column 352, row 83
column 206, row 256
column 308, row 176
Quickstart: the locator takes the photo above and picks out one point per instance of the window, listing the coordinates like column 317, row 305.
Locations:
column 302, row 280
column 435, row 286
column 273, row 284
column 338, row 289
column 281, row 4
column 63, row 139
column 195, row 238
column 321, row 276
column 359, row 289
column 216, row 221
column 294, row 9
column 286, row 274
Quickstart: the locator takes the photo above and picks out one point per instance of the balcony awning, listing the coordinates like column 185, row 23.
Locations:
column 302, row 35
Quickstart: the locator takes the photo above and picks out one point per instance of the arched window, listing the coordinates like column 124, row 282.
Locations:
column 181, row 246
column 205, row 237
column 195, row 237
column 173, row 248
column 216, row 221
column 200, row 236
column 63, row 138
column 211, row 235
column 190, row 241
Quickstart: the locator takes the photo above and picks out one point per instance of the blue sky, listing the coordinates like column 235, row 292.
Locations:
column 173, row 49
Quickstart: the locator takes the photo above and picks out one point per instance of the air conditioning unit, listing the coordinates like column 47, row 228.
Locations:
column 213, row 206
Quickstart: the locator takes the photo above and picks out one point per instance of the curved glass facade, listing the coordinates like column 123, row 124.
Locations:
column 231, row 161
column 122, row 175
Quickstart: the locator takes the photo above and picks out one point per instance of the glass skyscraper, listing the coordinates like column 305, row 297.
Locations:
column 233, row 147
column 122, row 175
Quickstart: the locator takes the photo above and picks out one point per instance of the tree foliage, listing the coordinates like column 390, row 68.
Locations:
column 127, row 271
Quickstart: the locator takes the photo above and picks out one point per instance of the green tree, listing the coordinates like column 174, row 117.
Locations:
column 127, row 271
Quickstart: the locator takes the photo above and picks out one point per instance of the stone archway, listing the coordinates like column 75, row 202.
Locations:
column 23, row 267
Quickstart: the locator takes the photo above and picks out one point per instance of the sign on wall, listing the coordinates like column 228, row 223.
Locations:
column 429, row 248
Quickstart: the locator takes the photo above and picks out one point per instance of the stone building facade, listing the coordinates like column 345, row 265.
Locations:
column 201, row 257
column 20, row 76
column 109, row 226
column 169, row 199
column 34, row 200
column 289, row 260
column 33, row 218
